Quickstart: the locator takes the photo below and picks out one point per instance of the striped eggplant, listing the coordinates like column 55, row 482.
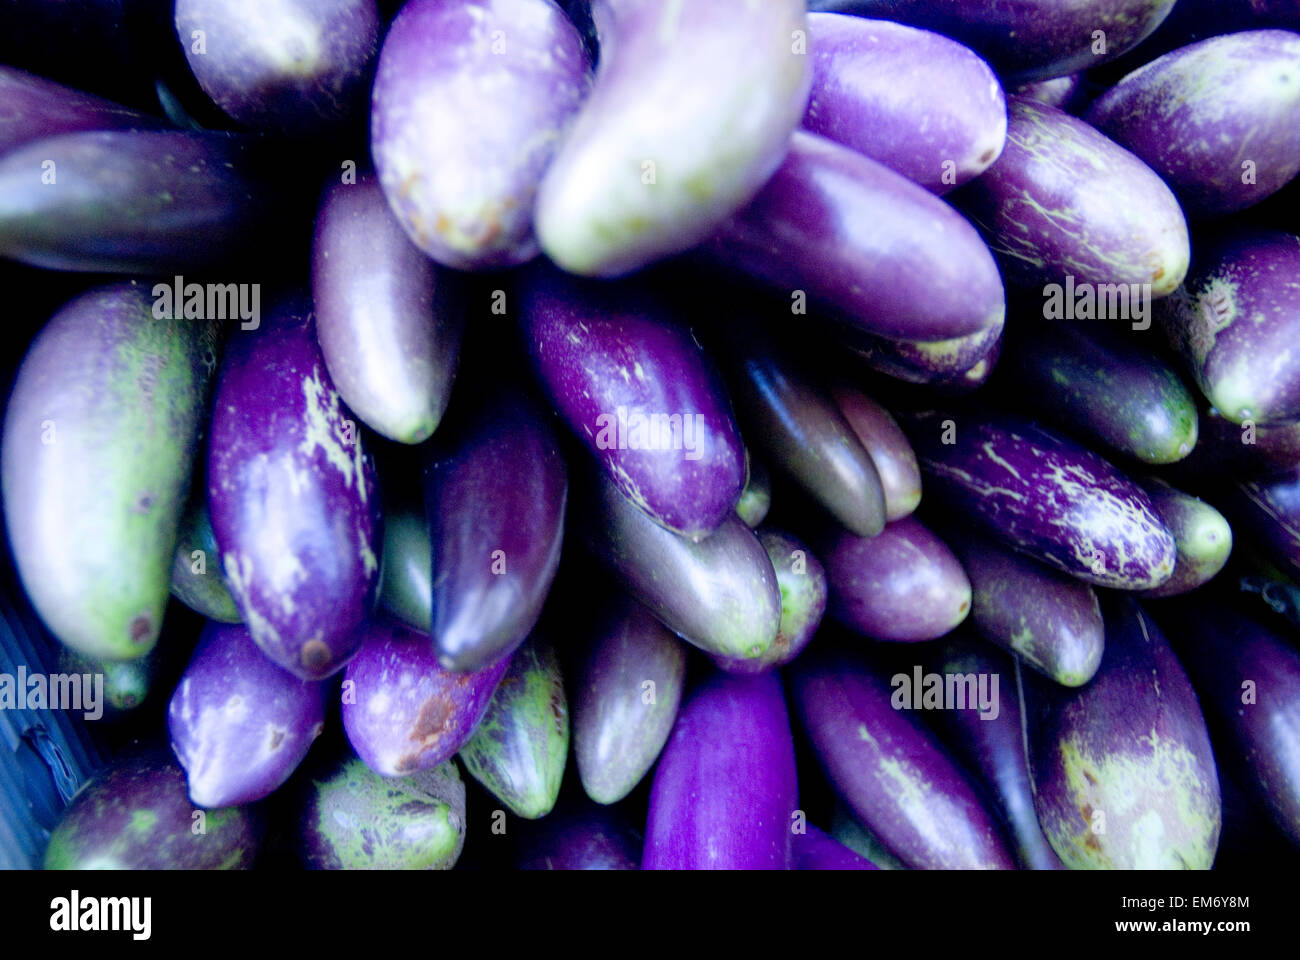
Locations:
column 1123, row 774
column 402, row 711
column 633, row 182
column 756, row 497
column 495, row 491
column 887, row 445
column 892, row 772
column 939, row 362
column 1265, row 514
column 406, row 569
column 470, row 101
column 1037, row 492
column 579, row 837
column 100, row 436
column 239, row 724
column 873, row 78
column 724, row 795
column 1203, row 536
column 814, row 849
column 626, row 695
column 634, row 385
column 1219, row 120
column 293, row 497
column 1065, row 93
column 1063, row 201
column 36, row 108
column 198, row 580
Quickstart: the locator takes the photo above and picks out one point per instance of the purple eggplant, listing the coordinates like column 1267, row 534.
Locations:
column 1063, row 201
column 1123, row 774
column 238, row 723
column 580, row 837
column 873, row 78
column 136, row 815
column 1244, row 451
column 1235, row 323
column 495, row 491
column 389, row 320
column 928, row 361
column 406, row 574
column 36, row 108
column 903, row 585
column 1050, row 620
column 1065, row 93
column 633, row 182
column 197, row 578
column 401, row 710
column 847, row 831
column 720, row 593
column 626, row 696
column 1266, row 514
column 756, row 497
column 887, row 445
column 891, row 771
column 1203, row 536
column 814, row 849
column 724, row 795
column 100, row 436
column 633, row 384
column 293, row 497
column 1219, row 120
column 1039, row 493
column 470, row 102
column 882, row 254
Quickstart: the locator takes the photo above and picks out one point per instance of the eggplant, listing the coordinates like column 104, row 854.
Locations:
column 402, row 711
column 1065, row 93
column 133, row 201
column 1266, row 514
column 632, row 182
column 406, row 574
column 720, row 593
column 814, row 849
column 628, row 689
column 1063, row 201
column 389, row 320
column 848, row 832
column 724, row 796
column 937, row 362
column 893, row 774
column 495, row 496
column 875, row 251
column 126, row 682
column 518, row 750
column 888, row 447
column 1219, row 120
column 634, row 385
column 136, row 815
column 1049, row 620
column 903, row 585
column 198, row 580
column 586, row 837
column 1235, row 322
column 36, row 108
column 239, row 724
column 1203, row 536
column 873, row 78
column 1122, row 769
column 100, row 436
column 1242, row 451
column 353, row 819
column 293, row 497
column 470, row 101
column 756, row 496
column 1041, row 494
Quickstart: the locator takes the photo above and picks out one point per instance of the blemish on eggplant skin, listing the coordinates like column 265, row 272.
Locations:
column 141, row 628
column 314, row 655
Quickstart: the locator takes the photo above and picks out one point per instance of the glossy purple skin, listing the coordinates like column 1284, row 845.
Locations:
column 725, row 793
column 993, row 748
column 402, row 711
column 1266, row 514
column 495, row 496
column 35, row 108
column 892, row 772
column 298, row 66
column 1064, row 93
column 617, row 735
column 873, row 78
column 293, row 497
column 817, row 850
column 470, row 101
column 1046, row 496
column 903, row 585
column 1197, row 113
column 888, row 447
column 239, row 724
column 389, row 320
column 585, row 837
column 1062, row 200
column 1235, row 323
column 881, row 253
column 1132, row 745
column 600, row 348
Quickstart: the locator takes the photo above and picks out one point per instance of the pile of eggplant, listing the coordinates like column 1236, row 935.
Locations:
column 678, row 435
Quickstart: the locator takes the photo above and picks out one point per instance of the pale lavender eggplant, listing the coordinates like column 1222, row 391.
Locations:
column 1219, row 120
column 888, row 447
column 725, row 795
column 880, row 253
column 239, row 724
column 35, row 108
column 389, row 320
column 633, row 384
column 1203, row 536
column 814, row 849
column 634, row 180
column 402, row 711
column 903, row 585
column 1062, row 200
column 872, row 79
column 471, row 100
column 293, row 497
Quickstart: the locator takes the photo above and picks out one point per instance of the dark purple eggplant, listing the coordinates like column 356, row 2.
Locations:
column 887, row 445
column 1203, row 536
column 814, row 849
column 929, row 361
column 36, row 108
column 1265, row 514
column 1243, row 451
column 406, row 578
column 580, row 837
